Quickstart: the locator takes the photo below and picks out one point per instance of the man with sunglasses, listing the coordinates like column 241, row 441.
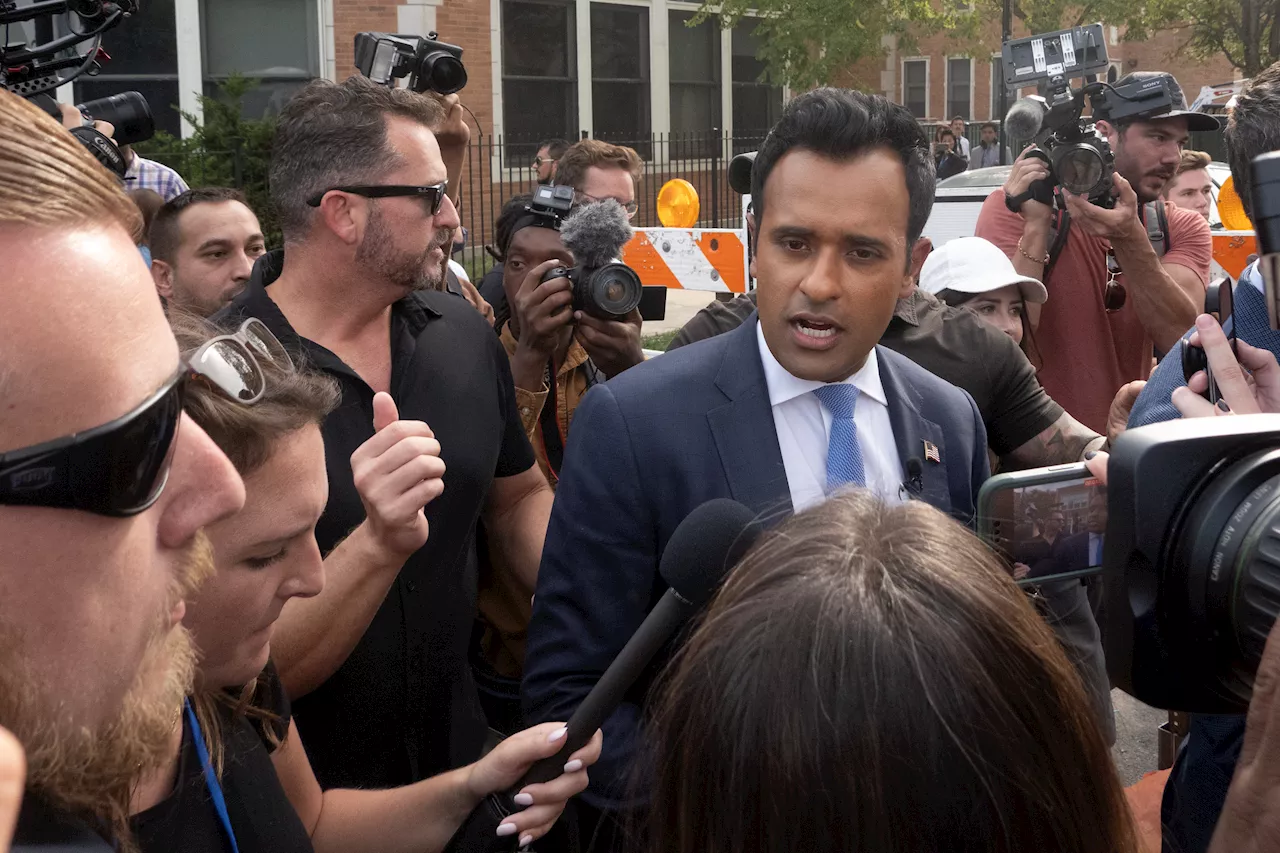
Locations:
column 104, row 487
column 1120, row 280
column 546, row 161
column 377, row 663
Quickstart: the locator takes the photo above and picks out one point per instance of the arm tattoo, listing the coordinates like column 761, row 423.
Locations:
column 1065, row 441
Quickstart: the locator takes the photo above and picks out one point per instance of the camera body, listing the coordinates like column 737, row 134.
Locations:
column 430, row 64
column 1192, row 560
column 609, row 292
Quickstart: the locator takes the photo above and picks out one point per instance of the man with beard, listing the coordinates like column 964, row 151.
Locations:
column 102, row 495
column 377, row 663
column 1120, row 280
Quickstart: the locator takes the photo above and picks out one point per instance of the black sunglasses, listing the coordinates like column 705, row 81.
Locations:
column 434, row 194
column 121, row 467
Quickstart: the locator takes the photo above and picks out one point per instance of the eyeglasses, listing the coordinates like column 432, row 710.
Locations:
column 121, row 467
column 434, row 194
column 629, row 206
column 538, row 161
column 231, row 362
column 1114, row 295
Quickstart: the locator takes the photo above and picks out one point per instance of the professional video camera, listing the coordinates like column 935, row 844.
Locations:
column 595, row 233
column 1079, row 159
column 430, row 64
column 1192, row 550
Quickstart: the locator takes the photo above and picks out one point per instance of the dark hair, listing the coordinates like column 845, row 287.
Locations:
column 989, row 124
column 871, row 679
column 294, row 398
column 943, row 130
column 1253, row 129
column 840, row 124
column 164, row 234
column 502, row 227
column 336, row 133
column 555, row 147
column 148, row 203
column 960, row 118
column 1029, row 347
column 571, row 171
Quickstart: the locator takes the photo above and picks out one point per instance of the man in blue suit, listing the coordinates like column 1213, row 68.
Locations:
column 776, row 414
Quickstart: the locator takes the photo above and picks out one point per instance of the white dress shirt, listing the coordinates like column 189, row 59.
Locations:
column 804, row 430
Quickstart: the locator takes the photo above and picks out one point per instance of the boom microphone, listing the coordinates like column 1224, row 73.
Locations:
column 1025, row 117
column 702, row 549
column 596, row 232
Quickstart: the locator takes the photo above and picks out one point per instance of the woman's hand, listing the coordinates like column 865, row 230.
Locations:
column 13, row 772
column 511, row 759
column 1242, row 393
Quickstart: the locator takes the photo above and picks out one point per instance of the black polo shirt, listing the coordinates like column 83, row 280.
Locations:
column 951, row 343
column 404, row 705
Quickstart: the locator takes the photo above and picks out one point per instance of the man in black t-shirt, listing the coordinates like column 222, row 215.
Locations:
column 377, row 663
column 1025, row 428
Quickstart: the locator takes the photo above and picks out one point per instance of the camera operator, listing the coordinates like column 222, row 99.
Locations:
column 203, row 246
column 379, row 658
column 104, row 487
column 1096, row 332
column 1198, row 784
column 946, row 159
column 144, row 174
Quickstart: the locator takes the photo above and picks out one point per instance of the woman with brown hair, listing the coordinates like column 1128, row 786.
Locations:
column 870, row 679
column 238, row 778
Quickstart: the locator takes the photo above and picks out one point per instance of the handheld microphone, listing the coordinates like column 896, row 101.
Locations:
column 702, row 549
column 1025, row 117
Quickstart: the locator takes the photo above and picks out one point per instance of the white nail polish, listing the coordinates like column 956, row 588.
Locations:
column 573, row 766
column 557, row 734
column 526, row 840
column 523, row 800
column 506, row 829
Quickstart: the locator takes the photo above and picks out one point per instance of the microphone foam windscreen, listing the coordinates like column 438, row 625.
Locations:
column 1025, row 117
column 596, row 232
column 703, row 547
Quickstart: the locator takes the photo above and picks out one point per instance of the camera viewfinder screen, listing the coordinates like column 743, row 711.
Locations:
column 1051, row 529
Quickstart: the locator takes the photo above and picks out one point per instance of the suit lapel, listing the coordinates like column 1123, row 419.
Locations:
column 911, row 432
column 743, row 428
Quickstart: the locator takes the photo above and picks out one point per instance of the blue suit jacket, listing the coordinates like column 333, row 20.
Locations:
column 650, row 446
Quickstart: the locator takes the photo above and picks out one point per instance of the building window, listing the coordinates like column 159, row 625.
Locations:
column 274, row 43
column 915, row 86
column 539, row 75
column 959, row 88
column 756, row 104
column 620, row 74
column 144, row 58
column 694, row 59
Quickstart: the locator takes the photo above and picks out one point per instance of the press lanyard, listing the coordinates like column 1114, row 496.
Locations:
column 210, row 778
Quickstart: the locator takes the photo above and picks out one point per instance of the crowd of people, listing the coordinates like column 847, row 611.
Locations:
column 315, row 547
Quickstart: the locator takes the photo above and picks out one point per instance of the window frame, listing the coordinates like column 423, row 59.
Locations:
column 947, row 89
column 927, row 77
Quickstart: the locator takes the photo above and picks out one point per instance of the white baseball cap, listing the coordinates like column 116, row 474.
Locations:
column 975, row 265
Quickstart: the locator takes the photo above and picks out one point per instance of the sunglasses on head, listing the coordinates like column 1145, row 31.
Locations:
column 433, row 194
column 120, row 468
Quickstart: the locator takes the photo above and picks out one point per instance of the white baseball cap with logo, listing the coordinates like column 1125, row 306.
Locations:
column 975, row 265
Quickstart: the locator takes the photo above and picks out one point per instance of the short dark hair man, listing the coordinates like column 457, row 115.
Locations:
column 842, row 188
column 1097, row 330
column 547, row 160
column 379, row 659
column 203, row 246
column 988, row 151
column 1197, row 787
column 960, row 127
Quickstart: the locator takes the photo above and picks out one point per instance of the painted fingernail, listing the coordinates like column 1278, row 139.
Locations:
column 523, row 800
column 573, row 766
column 1222, row 404
column 557, row 734
column 505, row 829
column 1090, row 454
column 526, row 840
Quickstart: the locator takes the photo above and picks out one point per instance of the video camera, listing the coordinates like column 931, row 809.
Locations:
column 1079, row 159
column 430, row 64
column 1192, row 550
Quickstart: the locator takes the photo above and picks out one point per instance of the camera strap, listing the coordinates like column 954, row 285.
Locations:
column 1153, row 218
column 553, row 437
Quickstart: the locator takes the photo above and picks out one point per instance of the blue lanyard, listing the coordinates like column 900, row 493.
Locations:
column 210, row 778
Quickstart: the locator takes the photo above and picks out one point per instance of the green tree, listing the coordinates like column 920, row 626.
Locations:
column 226, row 149
column 1246, row 32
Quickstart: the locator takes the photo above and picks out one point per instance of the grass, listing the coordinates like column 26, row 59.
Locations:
column 659, row 341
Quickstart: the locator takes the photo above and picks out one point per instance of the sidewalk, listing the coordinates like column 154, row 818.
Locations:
column 681, row 306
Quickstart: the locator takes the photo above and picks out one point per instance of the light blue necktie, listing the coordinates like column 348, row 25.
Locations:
column 844, row 454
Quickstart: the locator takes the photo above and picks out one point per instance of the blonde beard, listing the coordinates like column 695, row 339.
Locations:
column 91, row 772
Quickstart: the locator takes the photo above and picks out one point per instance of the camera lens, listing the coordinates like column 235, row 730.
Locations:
column 128, row 112
column 445, row 71
column 614, row 290
column 1231, row 544
column 1079, row 167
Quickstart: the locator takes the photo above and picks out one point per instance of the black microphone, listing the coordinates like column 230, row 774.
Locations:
column 702, row 549
column 915, row 473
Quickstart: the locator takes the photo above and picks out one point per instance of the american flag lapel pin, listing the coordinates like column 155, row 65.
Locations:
column 931, row 452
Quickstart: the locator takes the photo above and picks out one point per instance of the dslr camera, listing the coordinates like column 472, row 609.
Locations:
column 1192, row 550
column 1079, row 158
column 430, row 64
column 595, row 233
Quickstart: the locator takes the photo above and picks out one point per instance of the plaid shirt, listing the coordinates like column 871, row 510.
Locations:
column 144, row 174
